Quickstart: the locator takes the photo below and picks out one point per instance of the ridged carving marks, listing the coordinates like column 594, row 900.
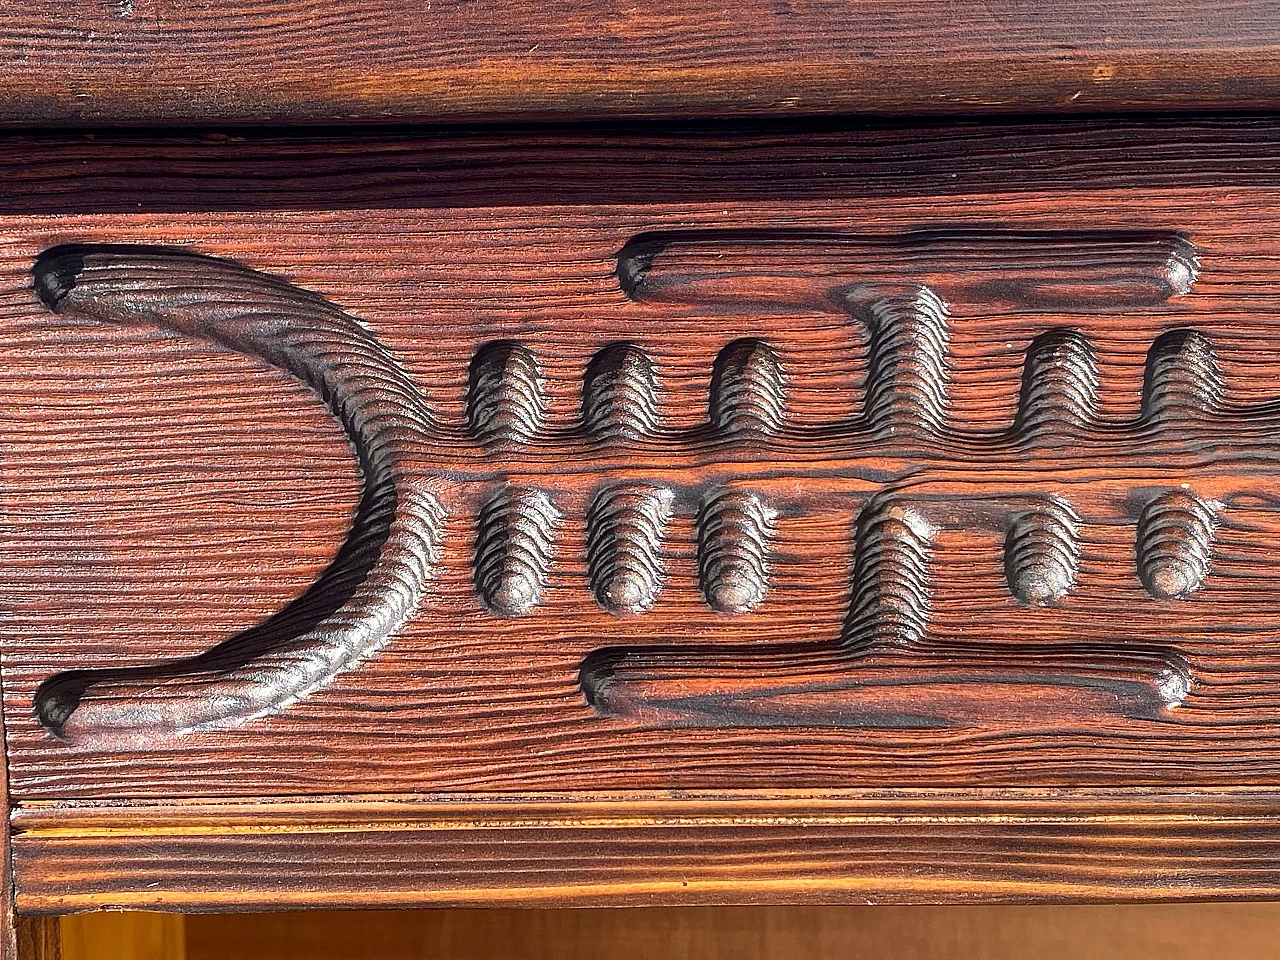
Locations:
column 1182, row 379
column 515, row 541
column 890, row 603
column 1042, row 553
column 375, row 581
column 620, row 394
column 928, row 491
column 625, row 528
column 1059, row 386
column 504, row 394
column 886, row 670
column 748, row 390
column 907, row 379
column 735, row 529
column 1175, row 543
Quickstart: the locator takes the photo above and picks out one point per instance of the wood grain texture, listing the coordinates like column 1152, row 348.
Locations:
column 129, row 936
column 890, row 847
column 148, row 61
column 375, row 581
column 842, row 514
column 39, row 938
column 8, row 916
column 953, row 387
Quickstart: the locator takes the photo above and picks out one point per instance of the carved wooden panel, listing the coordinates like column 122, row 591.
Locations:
column 850, row 486
column 677, row 468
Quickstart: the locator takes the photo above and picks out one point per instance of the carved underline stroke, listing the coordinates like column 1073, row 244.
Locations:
column 377, row 578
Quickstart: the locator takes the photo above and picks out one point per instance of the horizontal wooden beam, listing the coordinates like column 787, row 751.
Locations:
column 889, row 847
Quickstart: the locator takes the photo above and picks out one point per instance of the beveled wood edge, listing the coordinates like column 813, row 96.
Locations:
column 937, row 846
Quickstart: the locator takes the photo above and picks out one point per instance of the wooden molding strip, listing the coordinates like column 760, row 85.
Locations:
column 891, row 847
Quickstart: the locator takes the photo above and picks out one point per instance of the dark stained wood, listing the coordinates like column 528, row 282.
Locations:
column 21, row 937
column 183, row 491
column 357, row 170
column 374, row 60
column 641, row 516
column 1176, row 931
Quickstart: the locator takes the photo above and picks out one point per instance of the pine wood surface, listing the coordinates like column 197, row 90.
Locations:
column 145, row 61
column 957, row 476
column 889, row 847
column 1095, row 932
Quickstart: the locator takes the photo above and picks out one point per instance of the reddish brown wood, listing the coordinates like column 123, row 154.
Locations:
column 106, row 172
column 252, row 60
column 897, row 847
column 824, row 465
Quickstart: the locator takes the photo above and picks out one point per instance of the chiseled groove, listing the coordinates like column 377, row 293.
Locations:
column 735, row 530
column 1059, row 385
column 1042, row 553
column 889, row 608
column 376, row 579
column 505, row 402
column 625, row 527
column 1175, row 544
column 1182, row 380
column 907, row 379
column 620, row 394
column 515, row 541
column 748, row 388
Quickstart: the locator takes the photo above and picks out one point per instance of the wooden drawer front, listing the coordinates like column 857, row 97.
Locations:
column 756, row 463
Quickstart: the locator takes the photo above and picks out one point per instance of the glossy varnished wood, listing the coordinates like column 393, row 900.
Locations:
column 891, row 847
column 668, row 466
column 148, row 61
